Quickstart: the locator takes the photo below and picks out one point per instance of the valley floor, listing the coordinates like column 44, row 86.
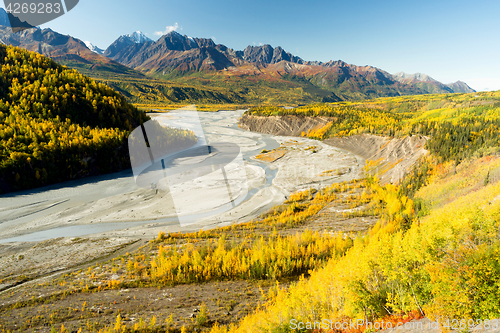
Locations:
column 34, row 266
column 91, row 293
column 113, row 206
column 85, row 281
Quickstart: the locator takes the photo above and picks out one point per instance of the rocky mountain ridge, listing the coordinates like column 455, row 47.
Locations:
column 183, row 55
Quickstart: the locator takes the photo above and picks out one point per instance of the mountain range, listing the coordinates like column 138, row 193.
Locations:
column 174, row 52
column 426, row 82
column 257, row 74
column 63, row 49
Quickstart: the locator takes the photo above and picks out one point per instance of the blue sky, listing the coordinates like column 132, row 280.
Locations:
column 448, row 40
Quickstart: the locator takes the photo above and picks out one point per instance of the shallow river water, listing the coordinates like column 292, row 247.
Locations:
column 27, row 207
column 114, row 206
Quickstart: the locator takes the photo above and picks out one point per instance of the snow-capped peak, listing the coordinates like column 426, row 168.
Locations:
column 93, row 48
column 138, row 37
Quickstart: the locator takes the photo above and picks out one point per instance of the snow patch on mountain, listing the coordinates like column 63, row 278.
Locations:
column 138, row 37
column 93, row 48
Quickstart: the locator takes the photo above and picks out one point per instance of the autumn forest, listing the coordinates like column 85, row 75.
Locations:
column 432, row 251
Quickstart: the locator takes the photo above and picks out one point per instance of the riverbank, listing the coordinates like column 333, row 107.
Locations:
column 115, row 207
column 394, row 156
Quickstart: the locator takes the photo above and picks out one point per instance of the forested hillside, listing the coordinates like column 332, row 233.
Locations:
column 56, row 124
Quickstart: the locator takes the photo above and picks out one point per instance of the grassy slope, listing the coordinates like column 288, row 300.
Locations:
column 258, row 89
column 143, row 90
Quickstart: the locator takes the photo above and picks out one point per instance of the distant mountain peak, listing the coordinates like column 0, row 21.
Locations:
column 138, row 37
column 93, row 48
column 431, row 85
column 268, row 55
column 400, row 76
column 460, row 87
column 174, row 33
column 135, row 39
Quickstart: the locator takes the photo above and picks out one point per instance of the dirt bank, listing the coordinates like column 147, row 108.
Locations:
column 284, row 125
column 395, row 155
